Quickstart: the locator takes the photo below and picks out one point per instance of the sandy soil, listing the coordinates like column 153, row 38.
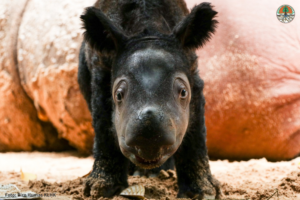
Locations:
column 60, row 173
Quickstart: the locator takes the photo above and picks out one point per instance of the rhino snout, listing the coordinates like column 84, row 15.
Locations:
column 150, row 132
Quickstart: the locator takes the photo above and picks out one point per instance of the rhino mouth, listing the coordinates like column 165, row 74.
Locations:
column 142, row 162
column 147, row 162
column 137, row 158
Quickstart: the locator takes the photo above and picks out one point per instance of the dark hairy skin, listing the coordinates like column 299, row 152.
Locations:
column 138, row 74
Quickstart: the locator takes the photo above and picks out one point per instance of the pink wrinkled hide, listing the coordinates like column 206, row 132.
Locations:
column 251, row 72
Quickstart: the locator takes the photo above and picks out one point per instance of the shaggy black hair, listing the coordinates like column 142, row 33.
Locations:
column 114, row 29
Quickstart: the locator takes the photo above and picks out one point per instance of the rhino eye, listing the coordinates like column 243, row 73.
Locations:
column 183, row 93
column 119, row 96
column 120, row 91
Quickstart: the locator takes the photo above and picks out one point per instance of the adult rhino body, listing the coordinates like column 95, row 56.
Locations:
column 252, row 82
column 138, row 74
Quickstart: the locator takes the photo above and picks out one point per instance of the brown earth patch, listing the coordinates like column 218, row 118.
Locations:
column 61, row 173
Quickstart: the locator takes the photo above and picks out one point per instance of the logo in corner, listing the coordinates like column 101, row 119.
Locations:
column 285, row 14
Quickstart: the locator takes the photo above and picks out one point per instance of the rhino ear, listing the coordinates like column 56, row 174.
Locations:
column 197, row 27
column 100, row 32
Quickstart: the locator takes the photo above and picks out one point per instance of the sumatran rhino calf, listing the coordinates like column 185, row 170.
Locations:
column 138, row 74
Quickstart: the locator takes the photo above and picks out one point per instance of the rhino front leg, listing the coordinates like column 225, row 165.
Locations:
column 108, row 178
column 109, row 175
column 194, row 176
column 191, row 160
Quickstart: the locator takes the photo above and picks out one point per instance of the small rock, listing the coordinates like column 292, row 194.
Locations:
column 163, row 174
column 172, row 173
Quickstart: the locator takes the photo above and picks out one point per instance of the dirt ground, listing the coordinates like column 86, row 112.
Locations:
column 60, row 174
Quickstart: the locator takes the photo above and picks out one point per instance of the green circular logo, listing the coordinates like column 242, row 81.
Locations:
column 285, row 14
